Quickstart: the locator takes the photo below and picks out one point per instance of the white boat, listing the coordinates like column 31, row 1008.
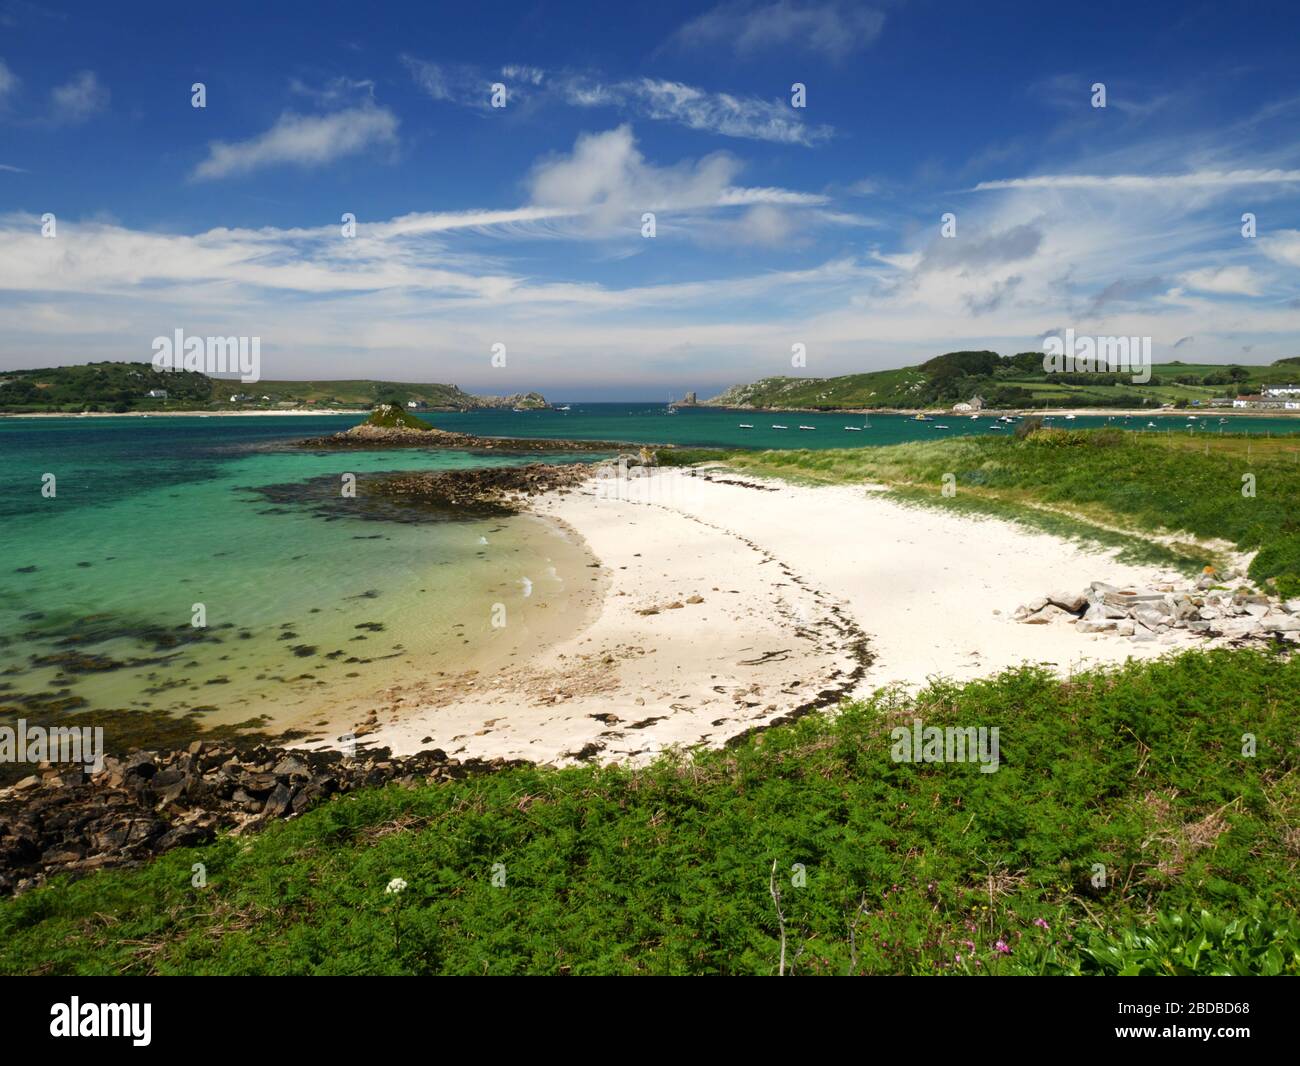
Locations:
column 1069, row 418
column 995, row 426
column 807, row 427
column 775, row 426
column 940, row 426
column 746, row 425
column 853, row 429
column 974, row 418
column 1151, row 425
column 566, row 407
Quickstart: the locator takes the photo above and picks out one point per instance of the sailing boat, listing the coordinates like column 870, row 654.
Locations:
column 866, row 424
column 671, row 410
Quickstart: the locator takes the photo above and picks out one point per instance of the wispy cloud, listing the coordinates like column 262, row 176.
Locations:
column 79, row 99
column 731, row 116
column 726, row 114
column 334, row 92
column 1147, row 182
column 829, row 29
column 8, row 82
column 302, row 140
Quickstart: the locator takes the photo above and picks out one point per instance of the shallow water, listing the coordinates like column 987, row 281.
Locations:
column 312, row 604
column 308, row 606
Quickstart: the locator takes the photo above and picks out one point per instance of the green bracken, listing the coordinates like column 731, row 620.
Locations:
column 1125, row 830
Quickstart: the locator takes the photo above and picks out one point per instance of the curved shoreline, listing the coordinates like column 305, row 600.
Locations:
column 718, row 618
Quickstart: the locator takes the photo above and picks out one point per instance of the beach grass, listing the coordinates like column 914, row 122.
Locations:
column 1126, row 830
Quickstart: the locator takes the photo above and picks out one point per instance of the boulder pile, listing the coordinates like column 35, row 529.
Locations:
column 63, row 820
column 1210, row 609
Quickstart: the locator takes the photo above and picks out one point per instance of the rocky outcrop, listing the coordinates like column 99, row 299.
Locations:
column 62, row 820
column 1210, row 609
column 370, row 436
column 500, row 486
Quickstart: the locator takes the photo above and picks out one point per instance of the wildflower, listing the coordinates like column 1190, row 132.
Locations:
column 1042, row 924
column 395, row 886
column 1001, row 947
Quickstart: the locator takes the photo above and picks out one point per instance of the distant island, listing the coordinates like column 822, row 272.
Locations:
column 984, row 379
column 389, row 426
column 121, row 388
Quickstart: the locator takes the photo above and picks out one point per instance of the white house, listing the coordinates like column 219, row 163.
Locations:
column 157, row 394
column 1282, row 391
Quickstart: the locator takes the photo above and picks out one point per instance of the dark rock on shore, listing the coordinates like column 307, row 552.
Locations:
column 62, row 820
column 496, row 487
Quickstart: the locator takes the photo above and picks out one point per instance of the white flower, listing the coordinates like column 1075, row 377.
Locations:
column 395, row 886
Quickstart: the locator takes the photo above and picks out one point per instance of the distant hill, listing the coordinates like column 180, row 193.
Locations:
column 1006, row 381
column 123, row 387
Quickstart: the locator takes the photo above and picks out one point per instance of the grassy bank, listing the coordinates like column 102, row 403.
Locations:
column 1108, row 479
column 906, row 868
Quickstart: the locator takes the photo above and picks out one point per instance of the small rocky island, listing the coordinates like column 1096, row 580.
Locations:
column 391, row 427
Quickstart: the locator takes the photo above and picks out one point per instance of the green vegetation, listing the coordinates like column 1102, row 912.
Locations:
column 1014, row 381
column 935, row 867
column 102, row 387
column 122, row 387
column 1109, row 481
column 387, row 416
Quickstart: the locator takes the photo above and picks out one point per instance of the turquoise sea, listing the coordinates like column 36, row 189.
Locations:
column 310, row 601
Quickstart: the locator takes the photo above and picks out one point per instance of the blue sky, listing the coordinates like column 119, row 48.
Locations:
column 522, row 224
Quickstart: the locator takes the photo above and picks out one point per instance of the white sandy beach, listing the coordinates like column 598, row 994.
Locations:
column 734, row 601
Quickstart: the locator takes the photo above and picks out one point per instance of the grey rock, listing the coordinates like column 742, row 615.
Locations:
column 1074, row 602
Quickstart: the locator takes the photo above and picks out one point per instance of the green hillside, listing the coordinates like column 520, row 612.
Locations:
column 123, row 387
column 1009, row 381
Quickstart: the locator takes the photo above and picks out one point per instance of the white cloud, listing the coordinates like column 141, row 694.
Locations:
column 607, row 175
column 607, row 184
column 304, row 140
column 1282, row 246
column 1147, row 182
column 78, row 99
column 834, row 30
column 1227, row 280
